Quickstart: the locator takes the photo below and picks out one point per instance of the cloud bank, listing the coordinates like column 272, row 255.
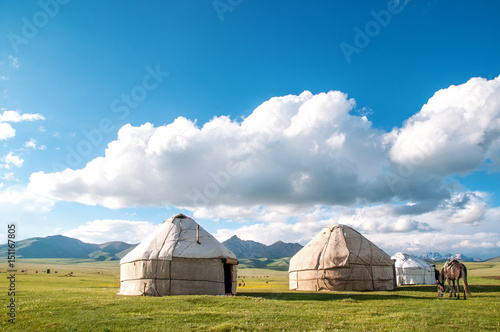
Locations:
column 299, row 150
column 454, row 132
column 455, row 225
column 305, row 154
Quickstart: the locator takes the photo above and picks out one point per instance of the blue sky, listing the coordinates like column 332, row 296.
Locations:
column 318, row 107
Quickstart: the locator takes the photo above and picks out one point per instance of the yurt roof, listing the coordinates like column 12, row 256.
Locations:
column 406, row 261
column 338, row 246
column 179, row 236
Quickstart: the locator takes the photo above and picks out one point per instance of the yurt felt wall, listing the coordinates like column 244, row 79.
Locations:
column 180, row 258
column 340, row 258
column 411, row 270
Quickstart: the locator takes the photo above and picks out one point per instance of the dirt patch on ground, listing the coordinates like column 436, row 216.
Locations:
column 493, row 277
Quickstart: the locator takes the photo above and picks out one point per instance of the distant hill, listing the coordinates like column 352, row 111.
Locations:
column 437, row 257
column 253, row 249
column 278, row 264
column 114, row 247
column 122, row 254
column 58, row 246
column 493, row 260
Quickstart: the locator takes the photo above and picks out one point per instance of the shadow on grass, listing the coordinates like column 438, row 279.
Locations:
column 429, row 288
column 483, row 289
column 349, row 297
column 413, row 292
column 419, row 288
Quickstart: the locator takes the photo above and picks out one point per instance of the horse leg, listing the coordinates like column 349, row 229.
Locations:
column 458, row 289
column 449, row 287
column 466, row 286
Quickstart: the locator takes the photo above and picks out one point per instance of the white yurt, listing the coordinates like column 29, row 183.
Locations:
column 180, row 258
column 411, row 270
column 341, row 259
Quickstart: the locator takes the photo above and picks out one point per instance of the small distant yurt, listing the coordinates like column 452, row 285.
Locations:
column 180, row 258
column 411, row 270
column 341, row 259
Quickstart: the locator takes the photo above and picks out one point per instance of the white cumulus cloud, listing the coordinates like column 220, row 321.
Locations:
column 455, row 131
column 21, row 198
column 300, row 162
column 267, row 158
column 305, row 149
column 6, row 131
column 391, row 228
column 32, row 143
column 106, row 230
column 15, row 116
column 9, row 176
column 12, row 160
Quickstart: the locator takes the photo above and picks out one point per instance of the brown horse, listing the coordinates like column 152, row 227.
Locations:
column 453, row 270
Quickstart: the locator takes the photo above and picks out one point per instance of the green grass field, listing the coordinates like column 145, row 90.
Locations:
column 87, row 301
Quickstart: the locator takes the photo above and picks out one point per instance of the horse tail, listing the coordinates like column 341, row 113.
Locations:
column 466, row 285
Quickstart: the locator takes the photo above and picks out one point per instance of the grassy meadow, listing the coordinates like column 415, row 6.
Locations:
column 86, row 300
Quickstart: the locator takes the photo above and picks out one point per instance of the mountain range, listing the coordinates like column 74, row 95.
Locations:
column 59, row 246
column 436, row 257
column 252, row 249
